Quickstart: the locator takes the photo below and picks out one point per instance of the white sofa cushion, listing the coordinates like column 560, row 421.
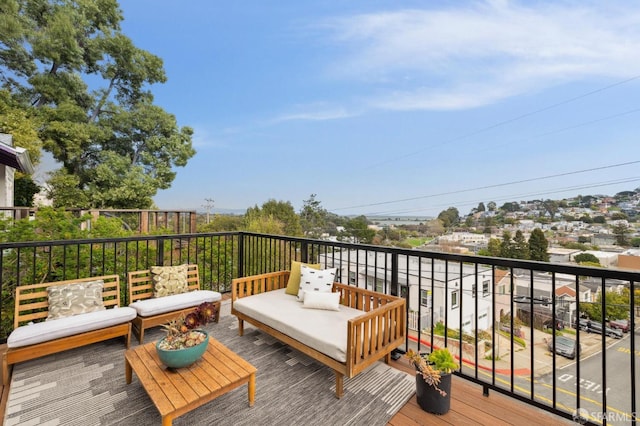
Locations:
column 328, row 301
column 68, row 326
column 160, row 305
column 322, row 330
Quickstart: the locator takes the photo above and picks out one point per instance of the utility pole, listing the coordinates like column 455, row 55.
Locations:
column 208, row 207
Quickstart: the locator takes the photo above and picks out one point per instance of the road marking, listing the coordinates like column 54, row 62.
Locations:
column 558, row 389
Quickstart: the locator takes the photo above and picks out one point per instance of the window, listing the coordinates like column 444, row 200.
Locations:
column 485, row 288
column 425, row 298
column 454, row 299
column 352, row 278
column 379, row 285
column 473, row 290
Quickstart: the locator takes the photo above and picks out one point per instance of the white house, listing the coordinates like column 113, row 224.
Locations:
column 441, row 291
column 11, row 159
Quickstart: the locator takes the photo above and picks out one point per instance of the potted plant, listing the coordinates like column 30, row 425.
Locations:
column 433, row 379
column 184, row 343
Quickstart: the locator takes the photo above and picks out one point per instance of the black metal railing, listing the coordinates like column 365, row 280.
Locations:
column 492, row 313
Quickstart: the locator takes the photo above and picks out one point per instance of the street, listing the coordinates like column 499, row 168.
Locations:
column 590, row 384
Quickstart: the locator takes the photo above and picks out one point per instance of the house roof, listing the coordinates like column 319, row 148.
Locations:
column 16, row 157
column 565, row 291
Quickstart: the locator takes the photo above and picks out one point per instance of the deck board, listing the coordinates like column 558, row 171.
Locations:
column 470, row 407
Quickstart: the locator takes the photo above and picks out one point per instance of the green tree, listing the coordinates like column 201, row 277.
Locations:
column 223, row 223
column 72, row 71
column 617, row 306
column 313, row 217
column 492, row 206
column 449, row 217
column 357, row 230
column 510, row 207
column 600, row 219
column 272, row 210
column 24, row 188
column 520, row 246
column 586, row 258
column 493, row 247
column 481, row 207
column 621, row 231
column 21, row 124
column 538, row 246
column 618, row 216
column 506, row 245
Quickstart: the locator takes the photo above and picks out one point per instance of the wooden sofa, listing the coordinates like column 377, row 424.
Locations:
column 34, row 337
column 370, row 336
column 166, row 308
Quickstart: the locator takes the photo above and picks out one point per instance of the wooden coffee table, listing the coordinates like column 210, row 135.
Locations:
column 176, row 392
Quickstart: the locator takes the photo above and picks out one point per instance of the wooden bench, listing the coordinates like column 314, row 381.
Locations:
column 32, row 306
column 140, row 288
column 370, row 336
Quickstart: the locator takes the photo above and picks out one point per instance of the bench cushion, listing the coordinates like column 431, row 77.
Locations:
column 160, row 305
column 324, row 331
column 50, row 330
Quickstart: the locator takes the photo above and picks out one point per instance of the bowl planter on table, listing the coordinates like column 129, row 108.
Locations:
column 183, row 357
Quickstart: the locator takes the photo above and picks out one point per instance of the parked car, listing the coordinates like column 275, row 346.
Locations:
column 596, row 327
column 620, row 324
column 564, row 346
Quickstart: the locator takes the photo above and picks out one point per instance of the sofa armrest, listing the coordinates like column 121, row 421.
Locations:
column 254, row 284
column 380, row 329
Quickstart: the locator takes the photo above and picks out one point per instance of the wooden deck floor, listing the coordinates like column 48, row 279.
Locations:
column 470, row 407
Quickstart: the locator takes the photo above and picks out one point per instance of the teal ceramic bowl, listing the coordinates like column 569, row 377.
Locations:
column 179, row 358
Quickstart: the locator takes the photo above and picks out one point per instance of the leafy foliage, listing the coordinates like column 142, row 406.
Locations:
column 274, row 216
column 75, row 85
column 24, row 188
column 313, row 217
column 449, row 217
column 617, row 306
column 586, row 258
column 538, row 246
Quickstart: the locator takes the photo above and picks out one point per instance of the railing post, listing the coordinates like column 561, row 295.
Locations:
column 395, row 290
column 304, row 252
column 240, row 254
column 160, row 253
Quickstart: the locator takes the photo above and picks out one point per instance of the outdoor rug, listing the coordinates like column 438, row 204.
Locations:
column 86, row 386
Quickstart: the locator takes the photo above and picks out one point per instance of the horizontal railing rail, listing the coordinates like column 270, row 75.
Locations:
column 507, row 321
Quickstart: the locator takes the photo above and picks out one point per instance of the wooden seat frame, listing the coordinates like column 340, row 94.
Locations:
column 32, row 305
column 370, row 337
column 140, row 287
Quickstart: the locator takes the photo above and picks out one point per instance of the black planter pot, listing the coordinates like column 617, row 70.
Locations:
column 429, row 399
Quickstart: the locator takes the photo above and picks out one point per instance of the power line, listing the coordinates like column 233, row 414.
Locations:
column 498, row 185
column 510, row 120
column 511, row 197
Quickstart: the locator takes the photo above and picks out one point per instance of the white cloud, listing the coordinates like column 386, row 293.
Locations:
column 314, row 112
column 202, row 138
column 477, row 54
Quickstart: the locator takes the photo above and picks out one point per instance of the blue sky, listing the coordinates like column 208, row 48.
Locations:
column 397, row 107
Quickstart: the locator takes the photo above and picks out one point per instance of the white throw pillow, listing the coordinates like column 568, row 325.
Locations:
column 326, row 301
column 313, row 280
